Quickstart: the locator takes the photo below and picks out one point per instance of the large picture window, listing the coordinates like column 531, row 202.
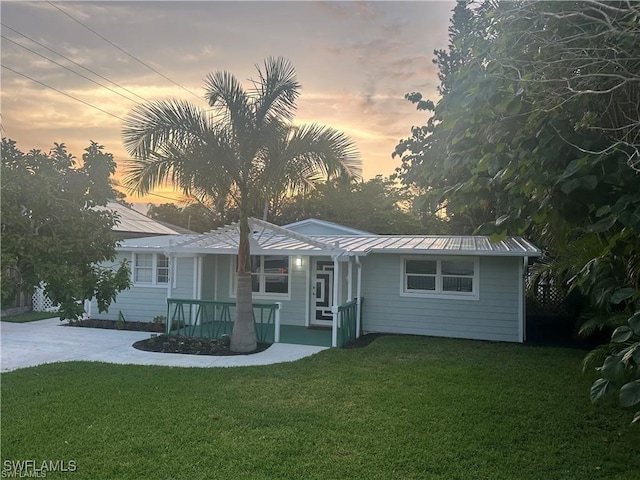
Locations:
column 440, row 277
column 269, row 275
column 151, row 268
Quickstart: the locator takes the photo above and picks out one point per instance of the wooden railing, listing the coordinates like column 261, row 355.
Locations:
column 347, row 322
column 209, row 319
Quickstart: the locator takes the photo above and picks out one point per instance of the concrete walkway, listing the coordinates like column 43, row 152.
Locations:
column 46, row 341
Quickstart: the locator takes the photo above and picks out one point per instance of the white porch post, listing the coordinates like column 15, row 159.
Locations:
column 359, row 297
column 276, row 333
column 350, row 281
column 172, row 275
column 334, row 307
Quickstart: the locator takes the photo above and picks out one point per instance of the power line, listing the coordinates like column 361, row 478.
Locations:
column 123, row 51
column 75, row 63
column 60, row 91
column 72, row 71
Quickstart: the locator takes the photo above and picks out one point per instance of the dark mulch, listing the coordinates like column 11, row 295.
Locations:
column 118, row 325
column 191, row 345
column 364, row 340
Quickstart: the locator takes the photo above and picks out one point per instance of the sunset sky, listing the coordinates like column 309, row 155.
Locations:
column 355, row 61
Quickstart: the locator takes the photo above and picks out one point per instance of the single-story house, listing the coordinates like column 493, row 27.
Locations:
column 312, row 271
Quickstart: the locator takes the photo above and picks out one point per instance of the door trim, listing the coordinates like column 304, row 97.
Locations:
column 328, row 293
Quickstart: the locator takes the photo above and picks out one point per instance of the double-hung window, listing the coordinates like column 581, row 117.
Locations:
column 446, row 277
column 150, row 268
column 269, row 275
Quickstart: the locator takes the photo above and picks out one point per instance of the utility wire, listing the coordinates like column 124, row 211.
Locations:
column 123, row 51
column 75, row 63
column 72, row 71
column 60, row 91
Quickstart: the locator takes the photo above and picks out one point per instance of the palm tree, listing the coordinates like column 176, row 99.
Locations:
column 235, row 149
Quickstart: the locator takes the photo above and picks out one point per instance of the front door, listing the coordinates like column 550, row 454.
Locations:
column 322, row 293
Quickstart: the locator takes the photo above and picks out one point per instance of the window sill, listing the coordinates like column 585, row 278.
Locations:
column 262, row 296
column 442, row 295
column 151, row 285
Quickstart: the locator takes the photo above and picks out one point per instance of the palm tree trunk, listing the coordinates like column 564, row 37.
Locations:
column 243, row 338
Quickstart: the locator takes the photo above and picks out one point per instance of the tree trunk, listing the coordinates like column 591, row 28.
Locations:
column 243, row 338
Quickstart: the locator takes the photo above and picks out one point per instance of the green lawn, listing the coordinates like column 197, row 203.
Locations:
column 403, row 407
column 29, row 317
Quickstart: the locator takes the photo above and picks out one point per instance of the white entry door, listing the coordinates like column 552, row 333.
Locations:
column 322, row 293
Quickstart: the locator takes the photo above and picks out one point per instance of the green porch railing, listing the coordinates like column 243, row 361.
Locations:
column 209, row 319
column 347, row 321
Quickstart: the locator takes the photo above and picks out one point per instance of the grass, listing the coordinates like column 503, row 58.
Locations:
column 402, row 407
column 29, row 317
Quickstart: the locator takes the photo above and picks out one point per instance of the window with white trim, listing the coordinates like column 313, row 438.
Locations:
column 150, row 268
column 269, row 275
column 440, row 277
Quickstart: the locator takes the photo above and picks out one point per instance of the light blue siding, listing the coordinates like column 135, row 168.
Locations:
column 495, row 316
column 184, row 278
column 209, row 277
column 293, row 310
column 137, row 304
column 312, row 229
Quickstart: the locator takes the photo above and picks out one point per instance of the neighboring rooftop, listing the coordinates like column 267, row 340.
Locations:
column 133, row 224
column 313, row 226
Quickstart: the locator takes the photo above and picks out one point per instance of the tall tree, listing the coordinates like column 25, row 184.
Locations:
column 195, row 216
column 378, row 205
column 50, row 232
column 541, row 127
column 229, row 153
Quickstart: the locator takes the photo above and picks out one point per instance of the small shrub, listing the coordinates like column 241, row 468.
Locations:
column 120, row 322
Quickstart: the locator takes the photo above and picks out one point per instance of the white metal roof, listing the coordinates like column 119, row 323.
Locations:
column 161, row 242
column 432, row 244
column 269, row 239
column 266, row 239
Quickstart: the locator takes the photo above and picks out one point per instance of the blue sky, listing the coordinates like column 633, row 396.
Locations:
column 355, row 61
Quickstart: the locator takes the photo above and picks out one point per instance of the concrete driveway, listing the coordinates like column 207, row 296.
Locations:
column 46, row 341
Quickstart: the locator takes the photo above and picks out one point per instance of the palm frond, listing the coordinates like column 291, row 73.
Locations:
column 170, row 121
column 276, row 91
column 596, row 320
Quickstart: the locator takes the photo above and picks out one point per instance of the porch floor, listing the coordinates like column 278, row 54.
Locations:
column 320, row 337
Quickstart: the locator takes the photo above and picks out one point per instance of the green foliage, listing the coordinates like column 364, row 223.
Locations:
column 196, row 216
column 537, row 134
column 378, row 205
column 120, row 323
column 51, row 234
column 620, row 371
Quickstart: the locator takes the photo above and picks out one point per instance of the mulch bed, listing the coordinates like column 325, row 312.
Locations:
column 364, row 340
column 190, row 345
column 118, row 325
